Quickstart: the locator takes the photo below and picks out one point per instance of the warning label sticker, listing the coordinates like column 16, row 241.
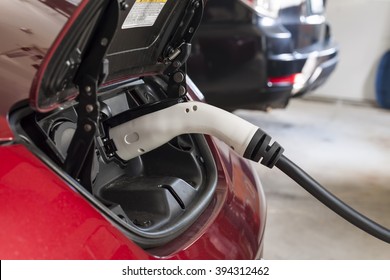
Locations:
column 143, row 13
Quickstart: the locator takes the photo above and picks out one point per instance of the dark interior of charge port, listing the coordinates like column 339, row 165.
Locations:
column 154, row 197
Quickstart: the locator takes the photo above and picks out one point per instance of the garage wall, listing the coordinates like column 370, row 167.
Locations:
column 362, row 29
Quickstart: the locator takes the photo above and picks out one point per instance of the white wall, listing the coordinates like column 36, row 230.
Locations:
column 362, row 29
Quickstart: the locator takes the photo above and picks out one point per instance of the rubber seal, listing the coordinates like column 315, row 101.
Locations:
column 259, row 148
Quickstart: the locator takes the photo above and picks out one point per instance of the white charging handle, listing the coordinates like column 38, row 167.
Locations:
column 150, row 131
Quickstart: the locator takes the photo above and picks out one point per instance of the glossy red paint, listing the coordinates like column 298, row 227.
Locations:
column 44, row 218
column 6, row 134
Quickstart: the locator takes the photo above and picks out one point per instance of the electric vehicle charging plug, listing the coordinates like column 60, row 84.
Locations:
column 143, row 134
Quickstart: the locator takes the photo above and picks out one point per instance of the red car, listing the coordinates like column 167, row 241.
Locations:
column 68, row 71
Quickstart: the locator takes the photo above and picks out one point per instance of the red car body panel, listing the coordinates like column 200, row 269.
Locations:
column 6, row 134
column 43, row 217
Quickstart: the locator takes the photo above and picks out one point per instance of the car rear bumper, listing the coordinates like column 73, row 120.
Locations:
column 243, row 86
column 311, row 66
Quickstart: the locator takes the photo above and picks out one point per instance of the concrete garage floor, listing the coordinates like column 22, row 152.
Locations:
column 347, row 149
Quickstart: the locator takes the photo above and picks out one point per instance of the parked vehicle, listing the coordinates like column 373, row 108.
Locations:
column 259, row 54
column 68, row 71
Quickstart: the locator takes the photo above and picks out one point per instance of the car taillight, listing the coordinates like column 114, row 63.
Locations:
column 284, row 80
column 268, row 8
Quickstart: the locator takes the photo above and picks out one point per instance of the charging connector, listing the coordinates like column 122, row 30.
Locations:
column 145, row 133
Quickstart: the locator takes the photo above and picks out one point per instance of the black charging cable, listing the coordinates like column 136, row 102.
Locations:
column 259, row 148
column 332, row 202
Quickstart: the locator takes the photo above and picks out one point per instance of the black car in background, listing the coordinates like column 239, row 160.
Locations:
column 259, row 53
